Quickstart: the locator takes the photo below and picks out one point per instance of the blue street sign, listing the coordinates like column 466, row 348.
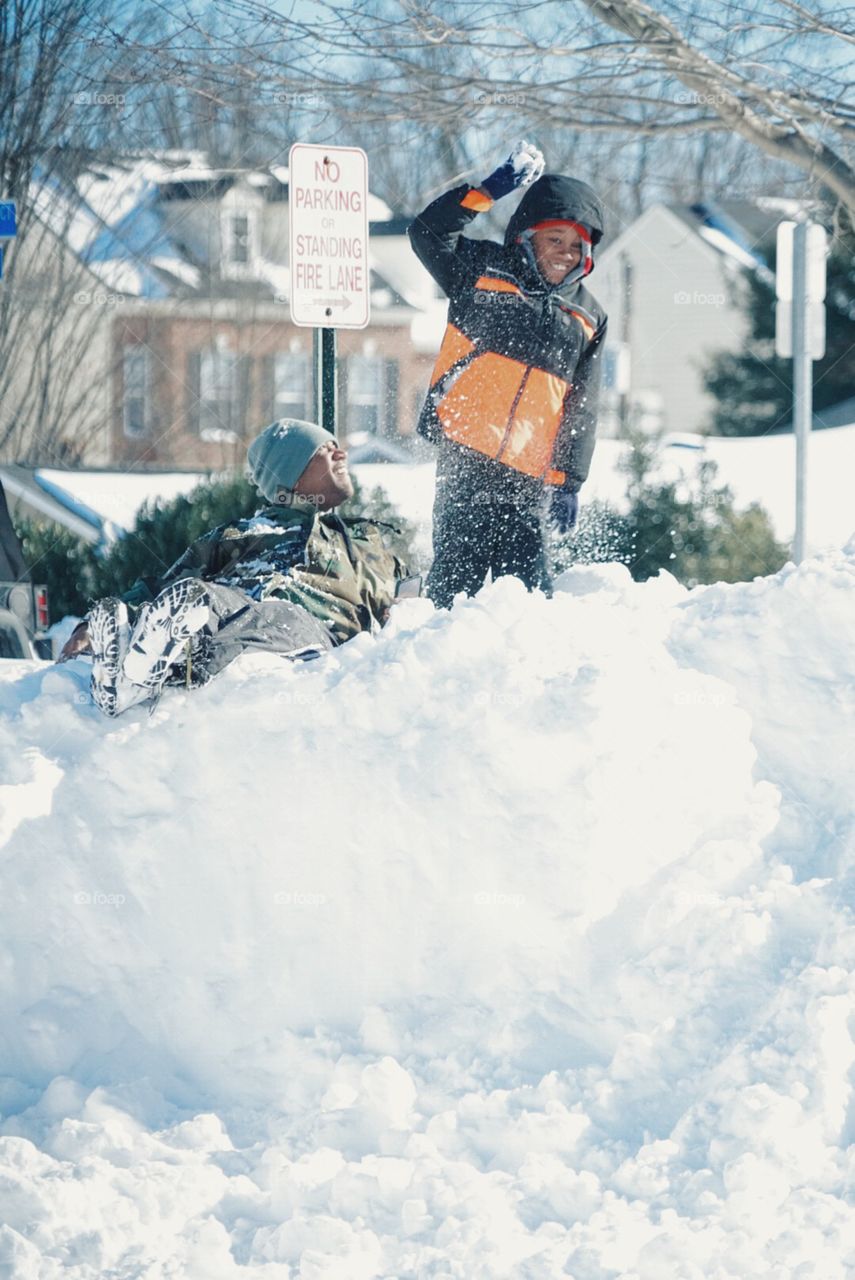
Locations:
column 8, row 225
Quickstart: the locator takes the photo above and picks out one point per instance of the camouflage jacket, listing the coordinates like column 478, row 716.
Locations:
column 343, row 571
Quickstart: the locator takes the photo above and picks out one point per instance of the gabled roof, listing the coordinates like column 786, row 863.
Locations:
column 118, row 218
column 96, row 505
column 742, row 231
column 631, row 233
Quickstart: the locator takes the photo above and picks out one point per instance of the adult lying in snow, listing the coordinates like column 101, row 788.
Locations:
column 288, row 580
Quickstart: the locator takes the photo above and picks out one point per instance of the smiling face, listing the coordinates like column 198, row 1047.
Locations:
column 557, row 250
column 326, row 480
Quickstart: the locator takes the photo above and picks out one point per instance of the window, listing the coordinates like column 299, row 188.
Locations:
column 220, row 398
column 238, row 247
column 365, row 399
column 238, row 238
column 219, row 392
column 135, row 402
column 292, row 386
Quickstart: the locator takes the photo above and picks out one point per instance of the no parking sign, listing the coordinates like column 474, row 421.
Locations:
column 328, row 213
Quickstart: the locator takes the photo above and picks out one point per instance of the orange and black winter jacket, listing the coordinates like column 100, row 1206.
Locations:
column 517, row 374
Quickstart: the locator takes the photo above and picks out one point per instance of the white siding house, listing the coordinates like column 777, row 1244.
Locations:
column 675, row 296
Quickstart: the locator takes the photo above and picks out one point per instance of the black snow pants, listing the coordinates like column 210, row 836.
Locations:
column 486, row 518
column 239, row 623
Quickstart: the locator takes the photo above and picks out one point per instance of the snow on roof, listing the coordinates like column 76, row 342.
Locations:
column 115, row 497
column 71, row 222
column 117, row 241
column 737, row 229
column 393, row 258
column 727, row 245
column 197, row 173
column 180, row 268
column 113, row 191
column 276, row 275
column 119, row 229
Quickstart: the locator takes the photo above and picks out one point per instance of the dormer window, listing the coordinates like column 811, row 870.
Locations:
column 238, row 248
column 238, row 229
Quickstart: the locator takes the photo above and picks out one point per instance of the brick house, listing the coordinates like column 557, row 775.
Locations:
column 200, row 350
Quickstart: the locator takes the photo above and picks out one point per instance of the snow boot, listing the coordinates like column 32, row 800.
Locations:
column 163, row 631
column 109, row 636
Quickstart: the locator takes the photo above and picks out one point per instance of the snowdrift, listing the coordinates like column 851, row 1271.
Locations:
column 515, row 941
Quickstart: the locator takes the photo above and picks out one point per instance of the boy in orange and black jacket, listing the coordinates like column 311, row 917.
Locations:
column 513, row 397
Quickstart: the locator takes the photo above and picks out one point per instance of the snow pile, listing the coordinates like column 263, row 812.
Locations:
column 512, row 942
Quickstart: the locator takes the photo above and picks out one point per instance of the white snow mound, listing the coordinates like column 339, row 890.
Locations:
column 514, row 941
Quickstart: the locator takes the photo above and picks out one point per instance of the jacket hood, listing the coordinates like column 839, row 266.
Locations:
column 554, row 196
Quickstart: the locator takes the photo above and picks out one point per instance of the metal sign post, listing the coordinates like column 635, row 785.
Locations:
column 800, row 335
column 325, row 388
column 330, row 274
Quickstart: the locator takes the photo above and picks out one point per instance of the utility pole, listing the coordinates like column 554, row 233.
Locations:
column 800, row 336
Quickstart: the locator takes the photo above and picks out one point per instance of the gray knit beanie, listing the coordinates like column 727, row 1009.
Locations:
column 279, row 456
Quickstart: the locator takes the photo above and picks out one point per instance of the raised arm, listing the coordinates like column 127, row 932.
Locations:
column 436, row 234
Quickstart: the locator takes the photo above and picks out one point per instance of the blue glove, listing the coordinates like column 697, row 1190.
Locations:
column 564, row 509
column 523, row 165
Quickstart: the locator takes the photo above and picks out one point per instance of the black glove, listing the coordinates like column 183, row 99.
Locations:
column 523, row 165
column 564, row 509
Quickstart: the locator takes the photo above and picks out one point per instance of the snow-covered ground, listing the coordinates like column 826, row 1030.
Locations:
column 760, row 470
column 516, row 941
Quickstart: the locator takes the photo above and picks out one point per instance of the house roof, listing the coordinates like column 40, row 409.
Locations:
column 96, row 505
column 743, row 231
column 631, row 233
column 27, row 498
column 119, row 219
